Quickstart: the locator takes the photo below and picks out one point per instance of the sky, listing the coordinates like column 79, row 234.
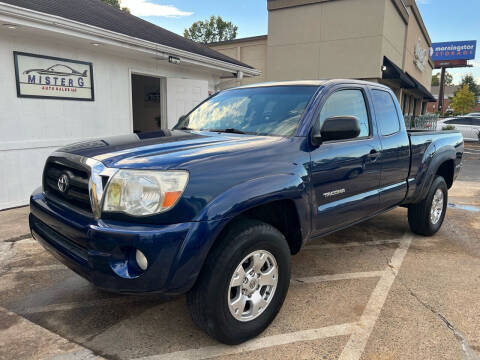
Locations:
column 446, row 20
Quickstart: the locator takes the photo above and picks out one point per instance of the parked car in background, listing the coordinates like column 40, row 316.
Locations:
column 475, row 114
column 469, row 126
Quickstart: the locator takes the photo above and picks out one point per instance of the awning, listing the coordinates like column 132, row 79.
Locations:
column 392, row 71
column 422, row 89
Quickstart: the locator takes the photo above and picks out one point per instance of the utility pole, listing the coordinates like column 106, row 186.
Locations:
column 441, row 91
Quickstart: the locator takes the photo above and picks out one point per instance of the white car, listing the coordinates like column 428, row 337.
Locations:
column 469, row 126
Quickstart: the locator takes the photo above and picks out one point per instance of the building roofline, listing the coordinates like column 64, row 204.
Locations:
column 402, row 10
column 234, row 41
column 418, row 17
column 41, row 20
column 282, row 4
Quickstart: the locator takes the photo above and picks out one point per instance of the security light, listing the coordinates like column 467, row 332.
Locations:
column 174, row 60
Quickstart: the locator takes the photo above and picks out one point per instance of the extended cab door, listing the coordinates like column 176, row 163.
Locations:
column 345, row 174
column 395, row 148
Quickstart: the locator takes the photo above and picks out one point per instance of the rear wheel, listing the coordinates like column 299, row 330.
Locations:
column 243, row 283
column 426, row 217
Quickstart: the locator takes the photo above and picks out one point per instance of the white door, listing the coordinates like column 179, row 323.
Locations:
column 465, row 127
column 461, row 124
column 475, row 128
column 182, row 96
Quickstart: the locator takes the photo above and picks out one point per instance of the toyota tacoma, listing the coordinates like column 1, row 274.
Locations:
column 215, row 207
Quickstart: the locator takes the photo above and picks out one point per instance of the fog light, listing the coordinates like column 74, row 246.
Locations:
column 142, row 261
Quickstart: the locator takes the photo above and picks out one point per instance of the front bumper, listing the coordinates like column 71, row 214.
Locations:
column 104, row 252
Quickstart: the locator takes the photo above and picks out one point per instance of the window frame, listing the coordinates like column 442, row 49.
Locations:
column 396, row 112
column 367, row 107
column 474, row 120
column 452, row 122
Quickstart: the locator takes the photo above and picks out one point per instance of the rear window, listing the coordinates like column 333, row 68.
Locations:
column 385, row 112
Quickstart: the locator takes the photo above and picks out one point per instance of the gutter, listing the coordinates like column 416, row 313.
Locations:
column 39, row 20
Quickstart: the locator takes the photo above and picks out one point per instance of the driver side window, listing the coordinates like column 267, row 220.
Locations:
column 349, row 102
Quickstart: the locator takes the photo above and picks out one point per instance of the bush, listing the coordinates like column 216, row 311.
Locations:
column 448, row 127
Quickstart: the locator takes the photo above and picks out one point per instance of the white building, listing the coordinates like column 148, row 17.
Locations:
column 76, row 70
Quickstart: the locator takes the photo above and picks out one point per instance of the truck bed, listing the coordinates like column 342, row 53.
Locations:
column 425, row 143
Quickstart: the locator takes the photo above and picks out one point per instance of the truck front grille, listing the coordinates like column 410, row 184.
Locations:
column 74, row 190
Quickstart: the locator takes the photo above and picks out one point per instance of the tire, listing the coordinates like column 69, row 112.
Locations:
column 210, row 299
column 420, row 216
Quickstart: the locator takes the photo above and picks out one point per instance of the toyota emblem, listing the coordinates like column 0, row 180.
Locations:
column 63, row 183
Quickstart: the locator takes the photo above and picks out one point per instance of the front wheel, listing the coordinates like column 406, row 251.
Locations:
column 426, row 217
column 243, row 283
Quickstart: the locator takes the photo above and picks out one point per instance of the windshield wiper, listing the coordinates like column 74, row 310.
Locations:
column 229, row 130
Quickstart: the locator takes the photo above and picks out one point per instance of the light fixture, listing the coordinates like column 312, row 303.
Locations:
column 141, row 260
column 10, row 26
column 95, row 44
column 174, row 60
column 384, row 68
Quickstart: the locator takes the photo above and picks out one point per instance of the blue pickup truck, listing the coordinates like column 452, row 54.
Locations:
column 215, row 207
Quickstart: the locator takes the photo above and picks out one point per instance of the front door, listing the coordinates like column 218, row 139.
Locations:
column 148, row 105
column 345, row 174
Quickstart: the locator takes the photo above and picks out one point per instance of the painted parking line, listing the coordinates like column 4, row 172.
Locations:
column 358, row 340
column 359, row 332
column 350, row 244
column 209, row 352
column 128, row 299
column 336, row 277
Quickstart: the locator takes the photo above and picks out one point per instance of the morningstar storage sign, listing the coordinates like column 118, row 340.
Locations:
column 453, row 50
column 40, row 76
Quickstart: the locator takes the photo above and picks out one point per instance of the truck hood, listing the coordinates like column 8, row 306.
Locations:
column 167, row 149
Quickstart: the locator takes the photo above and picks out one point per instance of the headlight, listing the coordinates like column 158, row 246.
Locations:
column 144, row 192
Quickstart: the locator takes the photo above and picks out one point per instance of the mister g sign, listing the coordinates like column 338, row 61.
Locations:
column 50, row 77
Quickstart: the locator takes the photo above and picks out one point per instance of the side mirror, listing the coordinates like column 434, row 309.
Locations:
column 181, row 118
column 338, row 128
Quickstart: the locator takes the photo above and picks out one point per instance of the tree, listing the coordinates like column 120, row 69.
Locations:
column 448, row 79
column 116, row 4
column 211, row 30
column 463, row 101
column 472, row 85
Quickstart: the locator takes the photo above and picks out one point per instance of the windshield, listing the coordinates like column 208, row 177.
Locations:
column 274, row 110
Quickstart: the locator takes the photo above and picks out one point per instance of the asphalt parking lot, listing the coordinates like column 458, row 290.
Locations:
column 374, row 291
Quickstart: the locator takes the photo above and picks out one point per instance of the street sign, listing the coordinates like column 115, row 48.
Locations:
column 453, row 50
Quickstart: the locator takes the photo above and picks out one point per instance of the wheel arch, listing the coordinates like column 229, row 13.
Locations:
column 278, row 200
column 442, row 164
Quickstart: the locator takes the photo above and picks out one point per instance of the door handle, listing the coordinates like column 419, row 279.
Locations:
column 373, row 155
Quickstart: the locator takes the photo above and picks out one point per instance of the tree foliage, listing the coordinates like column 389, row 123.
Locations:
column 448, row 79
column 472, row 85
column 116, row 4
column 463, row 101
column 211, row 30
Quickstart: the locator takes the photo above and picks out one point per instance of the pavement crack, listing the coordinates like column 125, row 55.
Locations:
column 5, row 250
column 468, row 352
column 17, row 238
